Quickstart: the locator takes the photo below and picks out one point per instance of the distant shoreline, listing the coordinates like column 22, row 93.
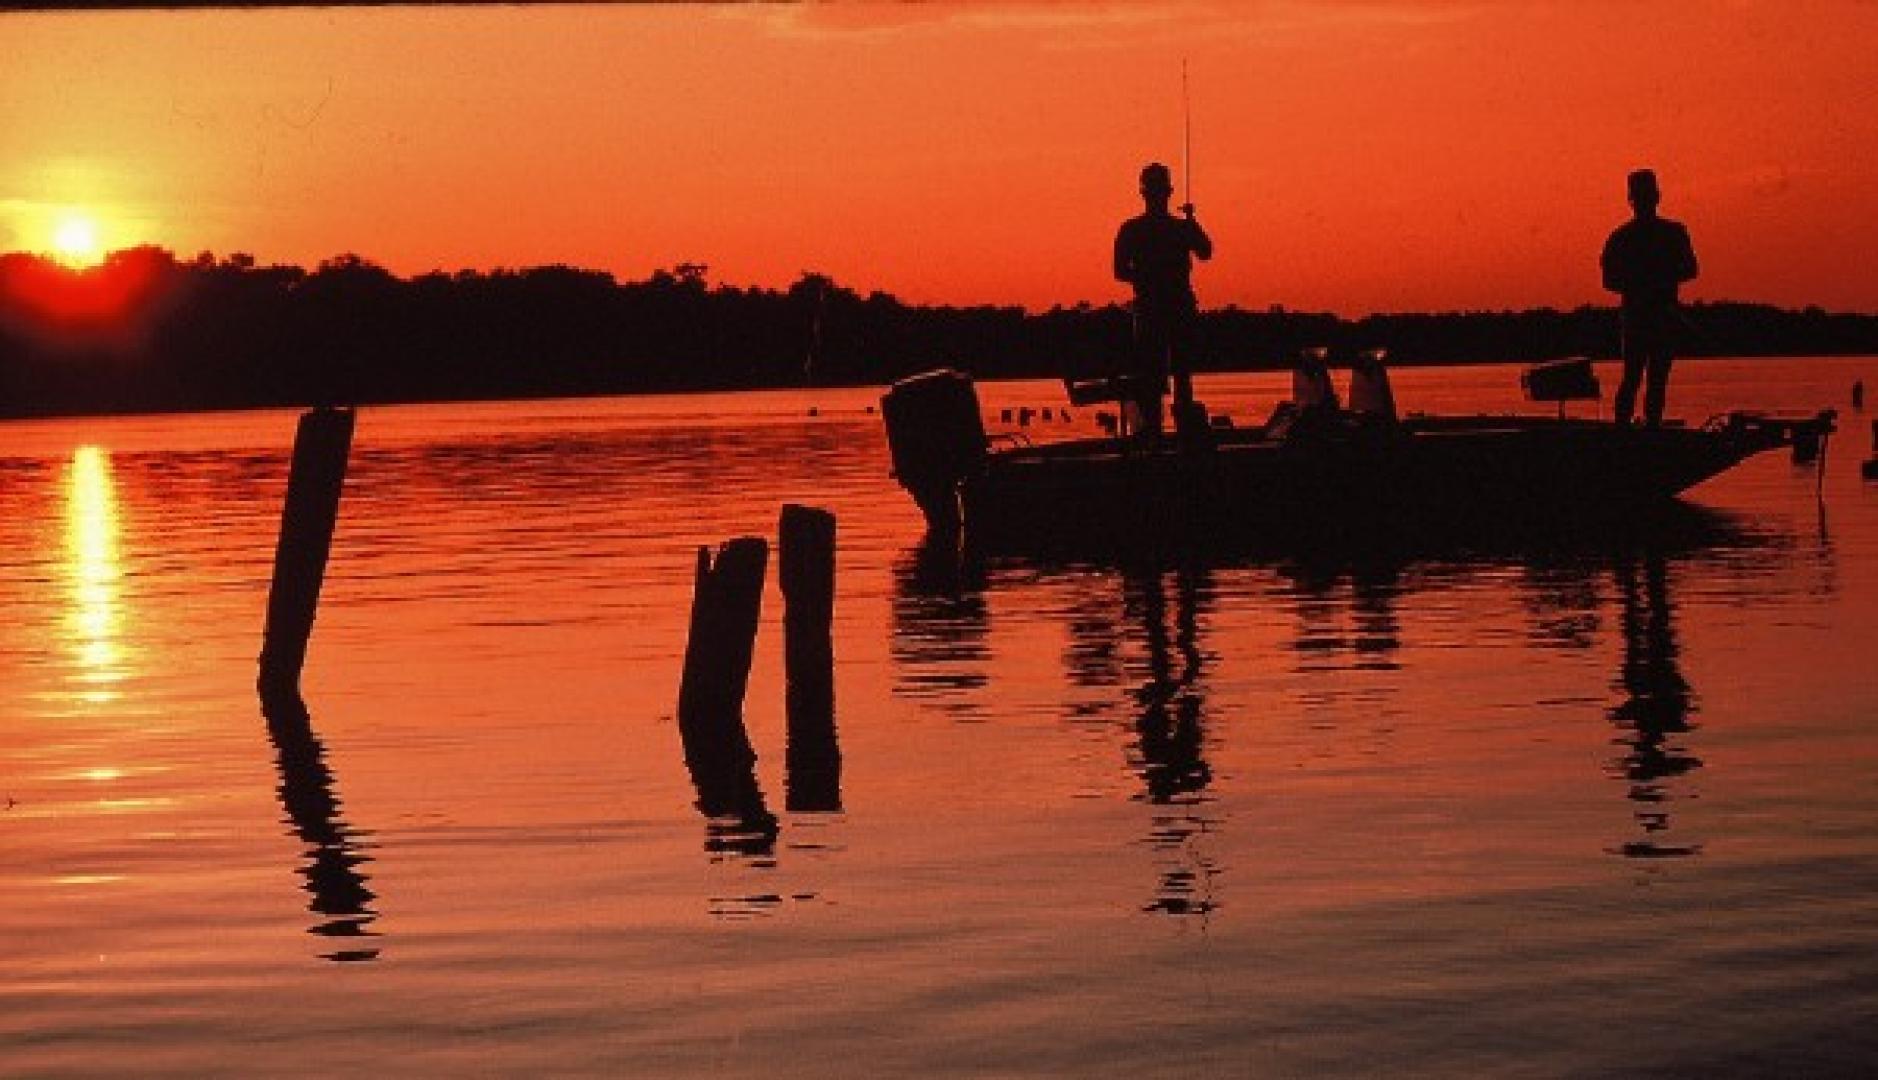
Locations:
column 23, row 418
column 146, row 333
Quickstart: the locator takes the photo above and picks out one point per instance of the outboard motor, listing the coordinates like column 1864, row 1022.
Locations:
column 1370, row 395
column 937, row 437
column 1310, row 382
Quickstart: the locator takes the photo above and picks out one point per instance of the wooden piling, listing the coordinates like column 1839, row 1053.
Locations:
column 322, row 444
column 726, row 604
column 807, row 567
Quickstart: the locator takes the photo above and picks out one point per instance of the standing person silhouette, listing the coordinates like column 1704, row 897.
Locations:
column 1154, row 252
column 1644, row 261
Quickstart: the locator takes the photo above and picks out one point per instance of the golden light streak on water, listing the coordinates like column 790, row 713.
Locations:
column 94, row 571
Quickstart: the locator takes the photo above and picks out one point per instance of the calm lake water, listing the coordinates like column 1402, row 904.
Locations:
column 1598, row 809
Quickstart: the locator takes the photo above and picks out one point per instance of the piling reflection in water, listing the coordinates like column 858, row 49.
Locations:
column 806, row 569
column 725, row 616
column 335, row 852
column 813, row 760
column 737, row 820
column 1658, row 701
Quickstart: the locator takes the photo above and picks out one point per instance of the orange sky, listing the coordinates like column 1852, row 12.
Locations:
column 1352, row 155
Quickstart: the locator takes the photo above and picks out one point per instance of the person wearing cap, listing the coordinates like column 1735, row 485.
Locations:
column 1154, row 253
column 1645, row 261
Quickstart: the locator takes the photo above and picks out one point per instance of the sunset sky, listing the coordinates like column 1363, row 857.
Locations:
column 1368, row 155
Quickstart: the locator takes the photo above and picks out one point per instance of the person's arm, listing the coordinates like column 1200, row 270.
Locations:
column 1686, row 268
column 1611, row 264
column 1199, row 243
column 1124, row 257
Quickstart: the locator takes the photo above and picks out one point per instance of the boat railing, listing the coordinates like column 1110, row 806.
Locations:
column 1780, row 429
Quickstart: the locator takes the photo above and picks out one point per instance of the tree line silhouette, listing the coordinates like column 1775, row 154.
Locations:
column 146, row 331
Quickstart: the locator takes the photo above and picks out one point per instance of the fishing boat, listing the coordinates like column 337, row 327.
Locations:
column 1314, row 468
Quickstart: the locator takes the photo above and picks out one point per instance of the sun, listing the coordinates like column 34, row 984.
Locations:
column 75, row 241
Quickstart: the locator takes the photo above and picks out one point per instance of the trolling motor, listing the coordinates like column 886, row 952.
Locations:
column 1806, row 436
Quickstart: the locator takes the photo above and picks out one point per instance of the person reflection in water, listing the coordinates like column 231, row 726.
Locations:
column 1173, row 765
column 1657, row 702
column 1645, row 261
column 1154, row 253
column 1170, row 728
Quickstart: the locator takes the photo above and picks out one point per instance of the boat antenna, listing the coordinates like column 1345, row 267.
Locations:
column 814, row 350
column 1186, row 152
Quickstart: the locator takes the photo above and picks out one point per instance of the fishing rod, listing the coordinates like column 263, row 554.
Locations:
column 1186, row 150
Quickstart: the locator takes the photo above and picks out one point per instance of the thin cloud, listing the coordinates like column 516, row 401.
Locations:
column 1097, row 24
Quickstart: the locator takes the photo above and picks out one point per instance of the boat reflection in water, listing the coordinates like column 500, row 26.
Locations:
column 941, row 626
column 1126, row 641
column 1137, row 627
column 335, row 852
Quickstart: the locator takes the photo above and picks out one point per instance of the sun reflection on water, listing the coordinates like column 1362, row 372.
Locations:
column 94, row 570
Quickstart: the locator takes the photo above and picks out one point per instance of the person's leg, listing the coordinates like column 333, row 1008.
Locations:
column 1160, row 359
column 1149, row 372
column 1657, row 389
column 1626, row 401
column 1182, row 345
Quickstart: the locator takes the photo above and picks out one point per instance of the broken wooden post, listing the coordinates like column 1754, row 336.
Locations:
column 807, row 568
column 321, row 446
column 725, row 606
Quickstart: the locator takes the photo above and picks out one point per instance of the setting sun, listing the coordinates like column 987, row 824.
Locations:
column 75, row 240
